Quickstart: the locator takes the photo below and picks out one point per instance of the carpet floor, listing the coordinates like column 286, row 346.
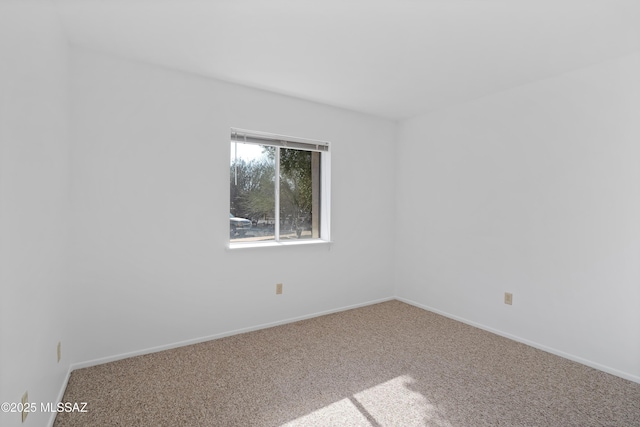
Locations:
column 388, row 364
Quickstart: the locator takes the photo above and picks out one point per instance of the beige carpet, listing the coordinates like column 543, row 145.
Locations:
column 388, row 364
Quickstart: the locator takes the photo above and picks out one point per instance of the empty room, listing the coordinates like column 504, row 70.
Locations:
column 305, row 213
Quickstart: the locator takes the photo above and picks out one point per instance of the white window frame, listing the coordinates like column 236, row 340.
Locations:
column 282, row 141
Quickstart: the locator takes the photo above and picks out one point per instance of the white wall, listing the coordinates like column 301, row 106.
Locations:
column 151, row 203
column 534, row 191
column 34, row 193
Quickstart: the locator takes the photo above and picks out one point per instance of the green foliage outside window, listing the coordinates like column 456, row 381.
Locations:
column 253, row 192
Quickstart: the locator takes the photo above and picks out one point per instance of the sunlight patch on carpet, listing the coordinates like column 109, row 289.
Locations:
column 342, row 412
column 392, row 403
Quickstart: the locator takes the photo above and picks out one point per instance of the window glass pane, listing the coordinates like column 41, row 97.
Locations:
column 252, row 178
column 299, row 194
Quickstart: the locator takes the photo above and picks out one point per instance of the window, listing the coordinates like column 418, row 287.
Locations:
column 279, row 188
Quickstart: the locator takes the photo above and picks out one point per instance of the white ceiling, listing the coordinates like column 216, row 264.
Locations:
column 389, row 58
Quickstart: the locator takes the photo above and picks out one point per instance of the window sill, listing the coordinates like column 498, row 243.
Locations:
column 271, row 244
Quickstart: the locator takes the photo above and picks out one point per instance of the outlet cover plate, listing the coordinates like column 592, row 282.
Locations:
column 25, row 401
column 508, row 298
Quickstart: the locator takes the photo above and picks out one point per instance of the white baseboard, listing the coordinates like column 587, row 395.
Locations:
column 63, row 387
column 542, row 347
column 108, row 359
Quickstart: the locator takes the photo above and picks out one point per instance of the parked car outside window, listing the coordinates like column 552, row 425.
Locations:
column 238, row 225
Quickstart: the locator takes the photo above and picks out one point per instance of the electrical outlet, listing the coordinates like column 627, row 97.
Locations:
column 25, row 403
column 508, row 298
column 278, row 288
column 59, row 351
